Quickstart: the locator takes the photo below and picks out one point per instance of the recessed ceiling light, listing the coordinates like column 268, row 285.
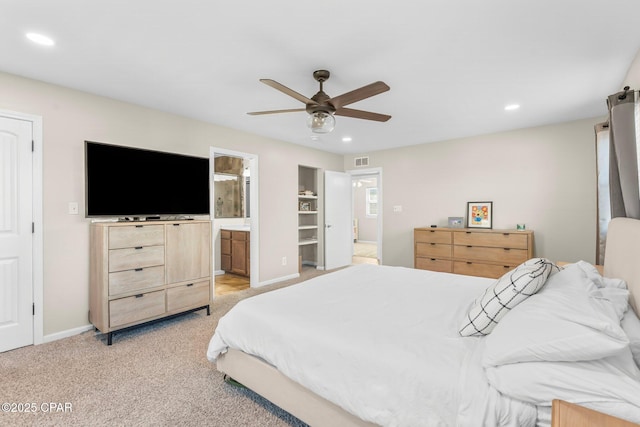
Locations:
column 40, row 39
column 346, row 139
column 512, row 107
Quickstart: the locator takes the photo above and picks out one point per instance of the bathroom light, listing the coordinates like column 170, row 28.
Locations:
column 512, row 107
column 40, row 39
column 346, row 139
column 321, row 122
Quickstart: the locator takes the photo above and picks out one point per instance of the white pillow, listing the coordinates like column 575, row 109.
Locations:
column 568, row 320
column 611, row 384
column 507, row 292
column 631, row 326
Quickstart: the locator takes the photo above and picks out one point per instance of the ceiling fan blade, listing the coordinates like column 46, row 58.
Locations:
column 358, row 94
column 359, row 114
column 282, row 88
column 291, row 110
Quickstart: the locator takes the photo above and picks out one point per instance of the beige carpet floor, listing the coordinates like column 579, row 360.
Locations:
column 153, row 375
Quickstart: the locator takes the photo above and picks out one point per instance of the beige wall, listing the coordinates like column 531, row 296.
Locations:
column 633, row 75
column 70, row 117
column 544, row 177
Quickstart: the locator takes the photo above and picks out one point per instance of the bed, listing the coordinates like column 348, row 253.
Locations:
column 378, row 345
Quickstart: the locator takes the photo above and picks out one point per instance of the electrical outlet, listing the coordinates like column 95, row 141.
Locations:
column 397, row 208
column 73, row 208
column 284, row 260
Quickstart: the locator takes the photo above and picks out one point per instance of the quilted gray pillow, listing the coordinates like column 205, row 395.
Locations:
column 507, row 292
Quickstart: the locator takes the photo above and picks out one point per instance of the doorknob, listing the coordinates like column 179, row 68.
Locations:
column 328, row 225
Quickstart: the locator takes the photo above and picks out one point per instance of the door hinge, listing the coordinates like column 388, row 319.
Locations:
column 33, row 145
column 33, row 227
column 33, row 308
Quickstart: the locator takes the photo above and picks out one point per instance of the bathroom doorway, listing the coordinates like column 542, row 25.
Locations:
column 235, row 233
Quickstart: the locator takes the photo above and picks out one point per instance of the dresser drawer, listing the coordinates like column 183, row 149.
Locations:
column 502, row 256
column 137, row 279
column 191, row 295
column 496, row 240
column 225, row 234
column 132, row 258
column 432, row 236
column 136, row 235
column 433, row 250
column 135, row 308
column 480, row 269
column 434, row 264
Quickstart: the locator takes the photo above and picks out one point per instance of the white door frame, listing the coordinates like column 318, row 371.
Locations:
column 254, row 239
column 38, row 250
column 378, row 173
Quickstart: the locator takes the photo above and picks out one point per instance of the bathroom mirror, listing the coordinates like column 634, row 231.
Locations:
column 229, row 180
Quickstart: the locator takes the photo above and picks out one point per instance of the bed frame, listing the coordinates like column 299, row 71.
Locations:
column 622, row 260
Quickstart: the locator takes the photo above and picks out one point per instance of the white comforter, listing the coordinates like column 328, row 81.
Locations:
column 381, row 342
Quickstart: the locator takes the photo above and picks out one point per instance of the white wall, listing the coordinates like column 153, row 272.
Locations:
column 544, row 177
column 70, row 117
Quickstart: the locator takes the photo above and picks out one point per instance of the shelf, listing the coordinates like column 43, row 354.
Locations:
column 307, row 212
column 307, row 242
column 307, row 227
column 302, row 196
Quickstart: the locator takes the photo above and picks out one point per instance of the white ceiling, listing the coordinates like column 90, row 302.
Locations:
column 452, row 65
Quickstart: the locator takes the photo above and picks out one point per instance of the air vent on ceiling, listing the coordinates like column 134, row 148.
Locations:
column 361, row 161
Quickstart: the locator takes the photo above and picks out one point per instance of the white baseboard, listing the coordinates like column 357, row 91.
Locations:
column 65, row 334
column 218, row 272
column 279, row 279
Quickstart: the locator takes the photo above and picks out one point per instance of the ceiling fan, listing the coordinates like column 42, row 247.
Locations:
column 321, row 107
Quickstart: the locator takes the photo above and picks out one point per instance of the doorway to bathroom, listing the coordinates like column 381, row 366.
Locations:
column 234, row 201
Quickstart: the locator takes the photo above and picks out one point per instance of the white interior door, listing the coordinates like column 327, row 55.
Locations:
column 16, row 238
column 338, row 230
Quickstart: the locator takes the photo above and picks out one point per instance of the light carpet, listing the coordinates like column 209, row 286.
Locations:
column 153, row 375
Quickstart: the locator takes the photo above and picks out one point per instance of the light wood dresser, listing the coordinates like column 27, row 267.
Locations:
column 565, row 414
column 473, row 252
column 144, row 271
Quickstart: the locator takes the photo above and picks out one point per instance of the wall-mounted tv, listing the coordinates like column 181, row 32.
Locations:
column 132, row 182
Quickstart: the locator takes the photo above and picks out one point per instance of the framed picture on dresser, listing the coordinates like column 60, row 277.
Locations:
column 479, row 214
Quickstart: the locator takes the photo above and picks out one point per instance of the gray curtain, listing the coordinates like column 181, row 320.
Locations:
column 617, row 148
column 624, row 180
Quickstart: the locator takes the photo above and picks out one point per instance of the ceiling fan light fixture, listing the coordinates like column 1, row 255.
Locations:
column 321, row 122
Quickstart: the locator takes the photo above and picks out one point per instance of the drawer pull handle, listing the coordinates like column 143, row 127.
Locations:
column 507, row 249
column 432, row 244
column 468, row 232
column 139, row 295
column 469, row 246
column 433, row 259
column 505, row 234
column 138, row 269
column 176, row 225
column 139, row 226
column 138, row 247
column 506, row 266
column 190, row 284
column 469, row 262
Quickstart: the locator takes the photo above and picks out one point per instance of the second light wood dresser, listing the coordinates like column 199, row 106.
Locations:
column 474, row 252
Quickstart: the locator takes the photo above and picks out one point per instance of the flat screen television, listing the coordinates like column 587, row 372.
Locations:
column 132, row 182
